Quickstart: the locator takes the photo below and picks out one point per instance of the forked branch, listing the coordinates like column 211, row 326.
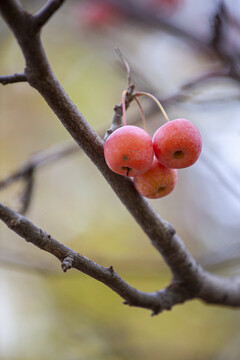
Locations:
column 47, row 11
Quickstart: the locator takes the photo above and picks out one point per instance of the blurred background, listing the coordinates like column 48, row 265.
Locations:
column 186, row 53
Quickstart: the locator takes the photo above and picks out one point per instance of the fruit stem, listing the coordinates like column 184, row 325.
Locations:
column 124, row 107
column 156, row 101
column 142, row 113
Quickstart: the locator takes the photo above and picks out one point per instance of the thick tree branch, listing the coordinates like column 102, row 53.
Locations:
column 211, row 288
column 187, row 274
column 10, row 79
column 156, row 301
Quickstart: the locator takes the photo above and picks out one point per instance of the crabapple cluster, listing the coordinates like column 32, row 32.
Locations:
column 152, row 163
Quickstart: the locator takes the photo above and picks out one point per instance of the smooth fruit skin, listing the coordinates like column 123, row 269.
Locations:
column 129, row 151
column 157, row 182
column 177, row 144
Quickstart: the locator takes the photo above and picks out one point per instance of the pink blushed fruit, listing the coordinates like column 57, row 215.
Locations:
column 129, row 151
column 157, row 182
column 177, row 144
column 97, row 14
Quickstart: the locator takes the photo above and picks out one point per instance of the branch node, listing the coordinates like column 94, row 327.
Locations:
column 127, row 302
column 67, row 263
column 111, row 270
column 14, row 222
column 157, row 311
column 170, row 229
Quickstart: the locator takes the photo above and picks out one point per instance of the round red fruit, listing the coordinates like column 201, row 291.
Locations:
column 157, row 182
column 177, row 144
column 129, row 151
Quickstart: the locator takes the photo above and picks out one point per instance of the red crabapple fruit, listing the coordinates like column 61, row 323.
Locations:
column 129, row 151
column 177, row 144
column 156, row 182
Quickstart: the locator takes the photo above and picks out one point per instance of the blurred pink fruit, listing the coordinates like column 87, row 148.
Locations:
column 95, row 14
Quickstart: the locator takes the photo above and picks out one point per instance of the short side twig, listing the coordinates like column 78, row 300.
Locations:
column 118, row 112
column 10, row 79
